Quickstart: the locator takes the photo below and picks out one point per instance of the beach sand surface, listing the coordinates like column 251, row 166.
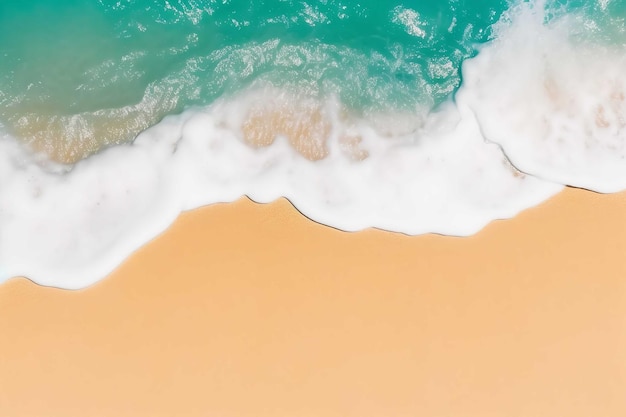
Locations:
column 249, row 310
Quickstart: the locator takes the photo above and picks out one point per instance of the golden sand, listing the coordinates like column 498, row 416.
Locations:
column 247, row 310
column 305, row 128
column 68, row 139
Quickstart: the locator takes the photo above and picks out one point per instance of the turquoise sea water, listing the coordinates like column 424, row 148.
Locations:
column 84, row 55
column 123, row 65
column 407, row 115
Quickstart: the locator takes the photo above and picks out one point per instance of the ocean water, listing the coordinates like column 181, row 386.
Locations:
column 407, row 115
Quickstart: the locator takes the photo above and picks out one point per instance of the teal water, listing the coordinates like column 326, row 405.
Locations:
column 120, row 66
column 84, row 55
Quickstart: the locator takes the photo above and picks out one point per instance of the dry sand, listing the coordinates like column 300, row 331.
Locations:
column 246, row 310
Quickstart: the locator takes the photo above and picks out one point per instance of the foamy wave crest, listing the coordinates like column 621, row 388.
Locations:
column 553, row 97
column 411, row 173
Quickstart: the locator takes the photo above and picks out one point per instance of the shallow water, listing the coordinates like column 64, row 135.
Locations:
column 410, row 116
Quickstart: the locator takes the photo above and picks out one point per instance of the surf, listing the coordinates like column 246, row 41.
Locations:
column 446, row 123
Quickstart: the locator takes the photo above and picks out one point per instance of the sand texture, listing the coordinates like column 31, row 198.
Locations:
column 247, row 310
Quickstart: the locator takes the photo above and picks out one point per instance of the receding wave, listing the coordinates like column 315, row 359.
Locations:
column 405, row 117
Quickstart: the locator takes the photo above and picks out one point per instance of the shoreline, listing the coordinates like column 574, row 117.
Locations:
column 247, row 309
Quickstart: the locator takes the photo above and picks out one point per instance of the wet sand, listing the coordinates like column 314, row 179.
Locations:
column 247, row 310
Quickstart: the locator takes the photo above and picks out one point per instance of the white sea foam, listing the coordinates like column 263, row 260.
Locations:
column 553, row 98
column 433, row 173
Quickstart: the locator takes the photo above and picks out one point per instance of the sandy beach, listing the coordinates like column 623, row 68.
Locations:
column 248, row 310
